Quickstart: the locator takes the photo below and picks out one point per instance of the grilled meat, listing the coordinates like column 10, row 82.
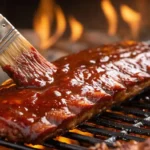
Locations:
column 84, row 84
column 133, row 145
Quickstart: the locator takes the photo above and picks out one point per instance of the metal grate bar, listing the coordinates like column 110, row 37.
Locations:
column 139, row 105
column 109, row 133
column 120, row 126
column 129, row 119
column 57, row 144
column 133, row 111
column 15, row 146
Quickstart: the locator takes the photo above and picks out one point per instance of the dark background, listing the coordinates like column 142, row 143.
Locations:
column 19, row 12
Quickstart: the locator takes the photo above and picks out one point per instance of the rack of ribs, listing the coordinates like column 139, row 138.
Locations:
column 84, row 84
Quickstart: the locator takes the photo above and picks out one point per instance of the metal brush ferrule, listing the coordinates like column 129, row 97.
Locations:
column 7, row 33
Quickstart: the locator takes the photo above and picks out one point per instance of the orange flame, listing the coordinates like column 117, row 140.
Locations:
column 76, row 29
column 66, row 140
column 43, row 19
column 36, row 146
column 81, row 132
column 70, row 141
column 43, row 22
column 110, row 15
column 60, row 28
column 132, row 18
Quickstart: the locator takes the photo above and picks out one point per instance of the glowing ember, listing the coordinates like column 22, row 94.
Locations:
column 81, row 132
column 110, row 15
column 66, row 140
column 36, row 146
column 76, row 29
column 70, row 141
column 132, row 18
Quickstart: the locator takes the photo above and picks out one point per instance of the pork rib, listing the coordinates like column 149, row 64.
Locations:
column 133, row 145
column 84, row 84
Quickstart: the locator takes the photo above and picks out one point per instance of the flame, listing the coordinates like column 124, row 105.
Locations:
column 36, row 146
column 60, row 28
column 66, row 140
column 43, row 19
column 81, row 132
column 43, row 23
column 132, row 18
column 70, row 141
column 111, row 16
column 76, row 29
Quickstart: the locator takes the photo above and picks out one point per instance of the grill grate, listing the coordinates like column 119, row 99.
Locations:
column 128, row 121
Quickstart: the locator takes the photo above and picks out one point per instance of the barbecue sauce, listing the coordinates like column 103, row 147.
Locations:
column 31, row 70
column 77, row 83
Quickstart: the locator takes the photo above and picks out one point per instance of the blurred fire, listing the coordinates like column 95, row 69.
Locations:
column 43, row 22
column 50, row 16
column 76, row 29
column 60, row 28
column 132, row 18
column 110, row 15
column 47, row 12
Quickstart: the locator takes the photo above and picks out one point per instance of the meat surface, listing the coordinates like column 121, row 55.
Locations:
column 84, row 84
column 128, row 146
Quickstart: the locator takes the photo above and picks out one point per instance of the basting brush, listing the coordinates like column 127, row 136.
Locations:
column 20, row 60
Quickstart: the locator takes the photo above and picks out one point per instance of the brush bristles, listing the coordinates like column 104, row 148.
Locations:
column 14, row 50
column 23, row 63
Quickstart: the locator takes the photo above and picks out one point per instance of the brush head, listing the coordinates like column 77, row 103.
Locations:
column 22, row 62
column 13, row 51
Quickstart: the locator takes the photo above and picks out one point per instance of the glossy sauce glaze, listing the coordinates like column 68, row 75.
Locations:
column 30, row 69
column 80, row 81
